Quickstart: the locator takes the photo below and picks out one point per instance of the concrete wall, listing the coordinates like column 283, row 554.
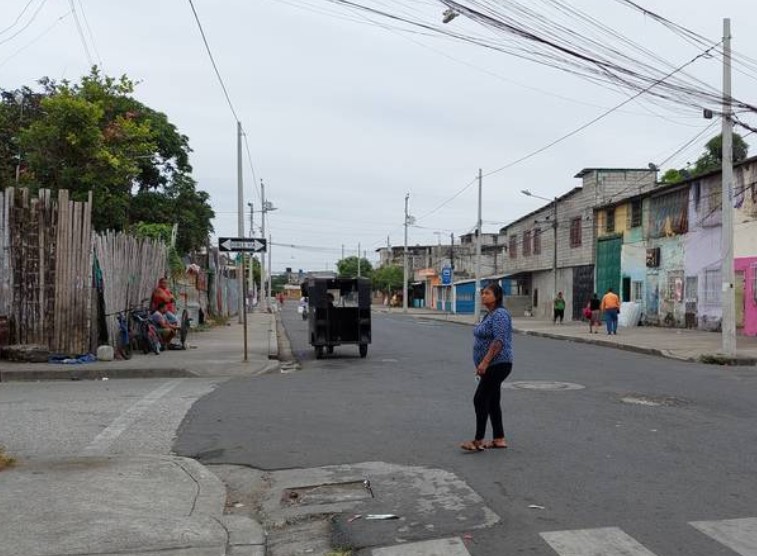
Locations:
column 748, row 265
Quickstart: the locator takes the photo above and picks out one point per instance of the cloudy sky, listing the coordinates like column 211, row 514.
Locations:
column 346, row 113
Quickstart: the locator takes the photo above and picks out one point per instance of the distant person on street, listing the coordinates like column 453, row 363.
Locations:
column 594, row 307
column 161, row 294
column 611, row 307
column 559, row 308
column 302, row 308
column 493, row 358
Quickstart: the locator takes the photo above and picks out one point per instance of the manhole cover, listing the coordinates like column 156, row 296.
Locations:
column 542, row 385
column 332, row 493
column 652, row 401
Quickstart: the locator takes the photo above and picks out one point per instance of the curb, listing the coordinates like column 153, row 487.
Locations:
column 79, row 373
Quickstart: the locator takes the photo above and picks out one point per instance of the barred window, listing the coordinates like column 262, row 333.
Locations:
column 610, row 220
column 537, row 241
column 637, row 291
column 527, row 243
column 513, row 246
column 575, row 232
column 636, row 213
column 712, row 287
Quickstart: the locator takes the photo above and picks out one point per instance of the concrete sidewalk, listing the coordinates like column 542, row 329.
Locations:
column 146, row 505
column 141, row 504
column 217, row 351
column 675, row 343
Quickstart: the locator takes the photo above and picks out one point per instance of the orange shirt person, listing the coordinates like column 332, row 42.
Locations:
column 610, row 306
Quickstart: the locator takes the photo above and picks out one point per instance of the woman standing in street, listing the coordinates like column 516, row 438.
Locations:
column 493, row 358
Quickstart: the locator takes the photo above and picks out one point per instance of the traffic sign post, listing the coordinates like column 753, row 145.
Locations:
column 446, row 276
column 243, row 244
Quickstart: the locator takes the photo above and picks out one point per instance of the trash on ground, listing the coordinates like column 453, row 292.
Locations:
column 238, row 505
column 354, row 517
column 535, row 507
column 367, row 485
column 381, row 516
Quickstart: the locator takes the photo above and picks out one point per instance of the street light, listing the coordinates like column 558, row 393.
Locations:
column 528, row 193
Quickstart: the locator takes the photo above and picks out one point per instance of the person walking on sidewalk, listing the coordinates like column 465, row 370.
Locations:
column 594, row 307
column 559, row 308
column 611, row 307
column 493, row 358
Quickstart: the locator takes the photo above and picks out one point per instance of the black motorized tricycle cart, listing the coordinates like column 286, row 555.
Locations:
column 339, row 312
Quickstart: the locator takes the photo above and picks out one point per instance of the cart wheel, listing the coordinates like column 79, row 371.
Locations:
column 319, row 352
column 330, row 350
column 363, row 350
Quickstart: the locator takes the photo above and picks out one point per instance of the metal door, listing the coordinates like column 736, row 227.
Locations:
column 583, row 288
column 608, row 264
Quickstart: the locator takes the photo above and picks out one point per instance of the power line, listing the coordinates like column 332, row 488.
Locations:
column 212, row 60
column 28, row 23
column 89, row 32
column 18, row 18
column 35, row 39
column 81, row 33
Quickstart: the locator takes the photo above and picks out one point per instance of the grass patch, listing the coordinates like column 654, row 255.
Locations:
column 340, row 552
column 6, row 461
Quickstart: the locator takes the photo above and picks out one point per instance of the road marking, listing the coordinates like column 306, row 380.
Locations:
column 440, row 547
column 740, row 535
column 607, row 541
column 104, row 440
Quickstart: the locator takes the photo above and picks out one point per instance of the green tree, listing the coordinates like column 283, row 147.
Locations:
column 711, row 159
column 388, row 278
column 347, row 267
column 94, row 136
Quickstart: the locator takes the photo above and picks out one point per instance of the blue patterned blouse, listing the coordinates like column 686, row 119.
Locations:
column 496, row 325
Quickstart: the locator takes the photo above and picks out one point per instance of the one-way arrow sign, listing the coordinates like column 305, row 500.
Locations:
column 253, row 244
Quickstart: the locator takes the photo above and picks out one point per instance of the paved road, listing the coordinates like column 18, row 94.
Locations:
column 614, row 477
column 60, row 419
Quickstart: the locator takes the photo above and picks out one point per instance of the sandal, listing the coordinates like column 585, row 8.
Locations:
column 472, row 446
column 496, row 444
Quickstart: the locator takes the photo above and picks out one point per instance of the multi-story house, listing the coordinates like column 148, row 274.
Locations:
column 662, row 249
column 539, row 242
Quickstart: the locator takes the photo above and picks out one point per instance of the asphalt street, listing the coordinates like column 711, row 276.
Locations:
column 600, row 438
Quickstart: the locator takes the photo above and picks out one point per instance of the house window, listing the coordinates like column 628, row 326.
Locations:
column 575, row 232
column 637, row 291
column 754, row 281
column 610, row 220
column 675, row 286
column 513, row 246
column 527, row 243
column 537, row 241
column 712, row 287
column 691, row 288
column 636, row 213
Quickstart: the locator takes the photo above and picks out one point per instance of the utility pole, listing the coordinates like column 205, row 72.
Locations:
column 270, row 266
column 404, row 265
column 554, row 253
column 251, row 270
column 262, row 292
column 476, row 292
column 358, row 260
column 728, row 325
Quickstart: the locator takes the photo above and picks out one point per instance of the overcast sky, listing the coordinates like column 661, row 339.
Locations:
column 344, row 117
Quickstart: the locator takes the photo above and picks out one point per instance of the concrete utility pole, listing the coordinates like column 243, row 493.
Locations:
column 358, row 260
column 554, row 254
column 270, row 266
column 476, row 289
column 240, row 231
column 262, row 293
column 404, row 263
column 728, row 325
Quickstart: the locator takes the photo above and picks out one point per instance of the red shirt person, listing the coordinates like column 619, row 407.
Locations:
column 162, row 294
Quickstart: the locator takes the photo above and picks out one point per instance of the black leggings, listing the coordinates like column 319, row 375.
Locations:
column 486, row 400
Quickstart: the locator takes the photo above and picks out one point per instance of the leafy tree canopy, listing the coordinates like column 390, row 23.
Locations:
column 347, row 267
column 388, row 278
column 711, row 159
column 94, row 136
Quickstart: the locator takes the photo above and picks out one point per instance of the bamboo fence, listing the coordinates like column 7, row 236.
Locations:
column 46, row 269
column 130, row 270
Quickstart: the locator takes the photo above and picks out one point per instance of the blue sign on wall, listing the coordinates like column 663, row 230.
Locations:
column 446, row 276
